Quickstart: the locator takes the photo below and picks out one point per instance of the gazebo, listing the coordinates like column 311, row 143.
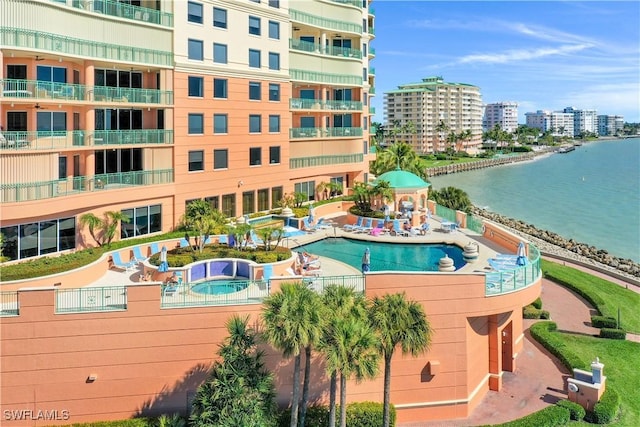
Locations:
column 409, row 192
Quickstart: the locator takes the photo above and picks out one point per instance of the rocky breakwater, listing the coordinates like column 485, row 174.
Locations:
column 556, row 245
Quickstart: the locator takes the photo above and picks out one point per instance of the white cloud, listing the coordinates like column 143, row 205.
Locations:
column 520, row 54
column 614, row 98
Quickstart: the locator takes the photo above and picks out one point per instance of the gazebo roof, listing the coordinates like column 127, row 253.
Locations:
column 399, row 179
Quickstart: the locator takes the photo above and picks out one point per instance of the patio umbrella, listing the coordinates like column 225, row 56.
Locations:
column 522, row 257
column 366, row 260
column 312, row 213
column 164, row 266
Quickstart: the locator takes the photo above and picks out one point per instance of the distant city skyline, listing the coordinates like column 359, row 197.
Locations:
column 543, row 55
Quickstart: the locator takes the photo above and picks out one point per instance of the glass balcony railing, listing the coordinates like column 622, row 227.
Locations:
column 335, row 159
column 319, row 21
column 48, row 42
column 319, row 104
column 317, row 77
column 372, row 90
column 305, row 46
column 372, row 31
column 372, row 51
column 124, row 10
column 372, row 11
column 372, row 71
column 372, row 110
column 59, row 140
column 356, row 3
column 125, row 94
column 335, row 132
column 10, row 193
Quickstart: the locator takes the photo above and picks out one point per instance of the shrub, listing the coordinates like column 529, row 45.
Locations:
column 606, row 409
column 133, row 422
column 537, row 303
column 577, row 411
column 543, row 333
column 551, row 416
column 368, row 414
column 531, row 312
column 317, row 416
column 544, row 314
column 612, row 333
column 603, row 322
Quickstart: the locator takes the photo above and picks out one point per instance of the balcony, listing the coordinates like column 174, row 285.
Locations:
column 372, row 52
column 48, row 42
column 125, row 94
column 372, row 31
column 356, row 3
column 372, row 71
column 304, row 46
column 60, row 140
column 336, row 159
column 320, row 22
column 372, row 11
column 124, row 10
column 10, row 193
column 317, row 77
column 335, row 132
column 372, row 110
column 372, row 90
column 319, row 104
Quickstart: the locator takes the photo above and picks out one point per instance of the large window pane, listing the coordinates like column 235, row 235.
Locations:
column 141, row 221
column 254, row 90
column 229, row 205
column 274, row 155
column 29, row 240
column 196, row 51
column 48, row 237
column 248, row 202
column 220, row 88
column 255, row 125
column 10, row 243
column 196, row 86
column 220, row 53
column 219, row 18
column 274, row 123
column 274, row 92
column 220, row 124
column 196, row 161
column 254, row 25
column 155, row 218
column 126, row 228
column 194, row 12
column 196, row 124
column 255, row 156
column 254, row 58
column 276, row 195
column 67, row 233
column 274, row 30
column 263, row 199
column 220, row 159
column 274, row 61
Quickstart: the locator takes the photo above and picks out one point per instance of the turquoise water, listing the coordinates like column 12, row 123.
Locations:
column 591, row 195
column 220, row 287
column 386, row 256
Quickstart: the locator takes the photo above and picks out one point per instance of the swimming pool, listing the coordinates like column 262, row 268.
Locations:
column 220, row 287
column 386, row 256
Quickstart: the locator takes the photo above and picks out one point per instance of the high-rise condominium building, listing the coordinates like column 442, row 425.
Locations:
column 610, row 125
column 560, row 124
column 584, row 121
column 141, row 106
column 503, row 114
column 436, row 108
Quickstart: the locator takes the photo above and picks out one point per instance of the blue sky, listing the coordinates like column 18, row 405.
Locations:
column 545, row 55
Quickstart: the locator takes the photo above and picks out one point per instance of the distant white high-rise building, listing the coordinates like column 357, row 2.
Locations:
column 583, row 120
column 610, row 125
column 504, row 114
column 559, row 123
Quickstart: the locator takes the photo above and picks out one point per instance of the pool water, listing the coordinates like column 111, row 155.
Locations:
column 386, row 256
column 220, row 287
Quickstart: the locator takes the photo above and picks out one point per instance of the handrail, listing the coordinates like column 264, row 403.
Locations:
column 90, row 299
column 334, row 159
column 9, row 304
column 319, row 104
column 506, row 281
column 321, row 22
column 316, row 132
column 125, row 10
column 305, row 46
column 315, row 76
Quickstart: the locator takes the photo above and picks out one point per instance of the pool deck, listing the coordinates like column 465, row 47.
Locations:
column 331, row 267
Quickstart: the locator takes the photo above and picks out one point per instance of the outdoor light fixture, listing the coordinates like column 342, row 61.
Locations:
column 92, row 377
column 240, row 183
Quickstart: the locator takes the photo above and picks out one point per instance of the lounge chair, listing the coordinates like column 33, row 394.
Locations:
column 137, row 255
column 184, row 243
column 398, row 229
column 306, row 226
column 378, row 228
column 169, row 290
column 366, row 227
column 118, row 263
column 154, row 248
column 223, row 239
column 351, row 227
column 323, row 225
column 257, row 240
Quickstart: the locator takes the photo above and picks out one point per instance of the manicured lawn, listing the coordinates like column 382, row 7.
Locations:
column 608, row 297
column 434, row 163
column 621, row 361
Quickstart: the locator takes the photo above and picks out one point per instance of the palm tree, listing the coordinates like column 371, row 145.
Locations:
column 398, row 322
column 452, row 198
column 292, row 322
column 400, row 155
column 441, row 128
column 93, row 222
column 107, row 225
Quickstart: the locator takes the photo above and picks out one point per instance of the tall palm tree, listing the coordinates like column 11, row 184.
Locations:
column 398, row 322
column 292, row 322
column 441, row 128
column 400, row 155
column 452, row 198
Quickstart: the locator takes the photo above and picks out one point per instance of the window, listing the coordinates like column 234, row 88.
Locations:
column 196, row 124
column 255, row 156
column 16, row 121
column 248, row 202
column 196, row 86
column 276, row 195
column 214, row 201
column 62, row 167
column 254, row 58
column 365, row 98
column 51, row 74
column 196, row 51
column 142, row 220
column 364, row 73
column 364, row 50
column 196, row 161
column 365, row 147
column 17, row 72
column 219, row 17
column 274, row 3
column 220, row 123
column 254, row 25
column 194, row 12
column 274, row 155
column 274, row 92
column 274, row 61
column 229, row 205
column 51, row 121
column 307, row 188
column 220, row 159
column 263, row 199
column 365, row 123
column 220, row 88
column 220, row 53
column 274, row 30
column 38, row 238
column 119, row 160
column 255, row 123
column 254, row 90
column 274, row 123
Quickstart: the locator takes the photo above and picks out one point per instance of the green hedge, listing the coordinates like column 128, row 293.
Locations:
column 317, row 416
column 359, row 414
column 612, row 333
column 550, row 416
column 606, row 409
column 133, row 422
column 603, row 322
column 531, row 312
column 576, row 410
column 543, row 333
column 537, row 303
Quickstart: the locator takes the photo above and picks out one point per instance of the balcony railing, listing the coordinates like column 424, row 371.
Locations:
column 319, row 104
column 58, row 140
column 337, row 132
column 372, row 51
column 372, row 31
column 335, row 159
column 124, row 10
column 372, row 71
column 505, row 281
column 372, row 11
column 305, row 46
column 48, row 42
column 125, row 94
column 318, row 21
column 372, row 90
column 82, row 300
column 9, row 304
column 356, row 3
column 10, row 193
column 372, row 110
column 317, row 77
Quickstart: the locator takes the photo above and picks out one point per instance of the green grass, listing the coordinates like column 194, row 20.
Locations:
column 434, row 163
column 607, row 297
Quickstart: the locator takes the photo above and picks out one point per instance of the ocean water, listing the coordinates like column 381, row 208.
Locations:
column 591, row 195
